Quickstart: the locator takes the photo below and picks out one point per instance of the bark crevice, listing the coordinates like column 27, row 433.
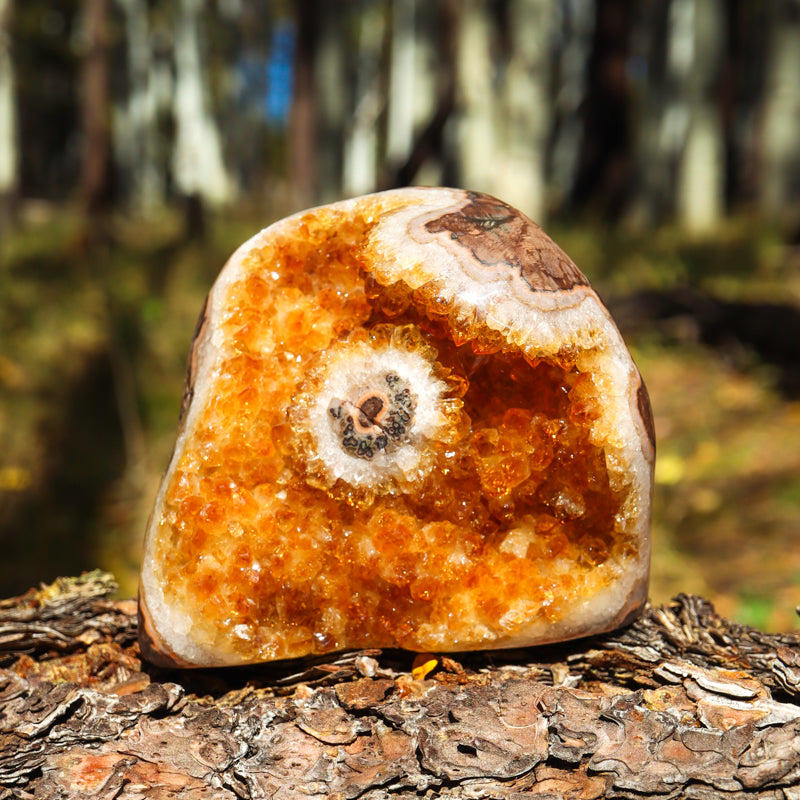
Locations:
column 682, row 703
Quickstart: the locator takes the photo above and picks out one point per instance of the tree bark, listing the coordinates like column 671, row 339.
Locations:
column 330, row 81
column 401, row 104
column 574, row 37
column 680, row 704
column 303, row 120
column 95, row 177
column 523, row 124
column 701, row 168
column 198, row 164
column 604, row 170
column 781, row 126
column 136, row 135
column 434, row 82
column 475, row 97
column 655, row 141
column 361, row 147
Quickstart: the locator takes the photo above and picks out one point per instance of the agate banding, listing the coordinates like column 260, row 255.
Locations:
column 409, row 421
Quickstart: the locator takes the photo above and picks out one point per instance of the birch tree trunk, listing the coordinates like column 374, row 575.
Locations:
column 360, row 166
column 402, row 83
column 136, row 136
column 428, row 96
column 701, row 170
column 433, row 92
column 9, row 154
column 198, row 165
column 475, row 98
column 523, row 122
column 780, row 178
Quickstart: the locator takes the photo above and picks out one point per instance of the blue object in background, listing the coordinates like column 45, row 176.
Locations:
column 280, row 73
column 266, row 83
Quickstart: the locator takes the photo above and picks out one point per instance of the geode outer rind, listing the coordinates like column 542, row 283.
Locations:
column 514, row 511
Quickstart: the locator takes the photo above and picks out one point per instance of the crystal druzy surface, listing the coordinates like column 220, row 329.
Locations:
column 408, row 422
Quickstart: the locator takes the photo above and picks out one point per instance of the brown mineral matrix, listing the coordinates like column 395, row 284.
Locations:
column 409, row 422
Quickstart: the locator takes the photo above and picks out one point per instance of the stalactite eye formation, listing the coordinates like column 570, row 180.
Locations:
column 408, row 422
column 373, row 413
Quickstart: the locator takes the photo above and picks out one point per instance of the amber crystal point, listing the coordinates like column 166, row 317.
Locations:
column 409, row 421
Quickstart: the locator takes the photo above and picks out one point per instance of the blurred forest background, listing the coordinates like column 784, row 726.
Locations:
column 659, row 142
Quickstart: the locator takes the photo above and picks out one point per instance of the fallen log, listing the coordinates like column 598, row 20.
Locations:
column 682, row 703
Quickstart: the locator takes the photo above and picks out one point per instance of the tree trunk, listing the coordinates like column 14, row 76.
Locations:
column 95, row 176
column 475, row 97
column 656, row 152
column 701, row 170
column 136, row 135
column 303, row 120
column 199, row 169
column 331, row 82
column 681, row 703
column 523, row 121
column 604, row 177
column 360, row 168
column 780, row 178
column 572, row 56
column 9, row 155
column 433, row 100
column 402, row 83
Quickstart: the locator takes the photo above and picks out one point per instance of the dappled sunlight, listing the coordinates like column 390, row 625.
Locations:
column 727, row 503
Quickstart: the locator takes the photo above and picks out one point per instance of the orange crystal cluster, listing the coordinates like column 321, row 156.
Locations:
column 512, row 518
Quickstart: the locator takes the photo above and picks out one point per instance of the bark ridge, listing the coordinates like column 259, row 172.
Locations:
column 680, row 704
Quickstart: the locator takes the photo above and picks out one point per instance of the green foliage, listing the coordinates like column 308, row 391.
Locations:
column 744, row 259
column 756, row 610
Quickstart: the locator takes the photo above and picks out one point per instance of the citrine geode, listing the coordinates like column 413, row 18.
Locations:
column 409, row 422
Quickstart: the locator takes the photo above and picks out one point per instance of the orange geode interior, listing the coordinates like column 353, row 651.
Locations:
column 511, row 518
